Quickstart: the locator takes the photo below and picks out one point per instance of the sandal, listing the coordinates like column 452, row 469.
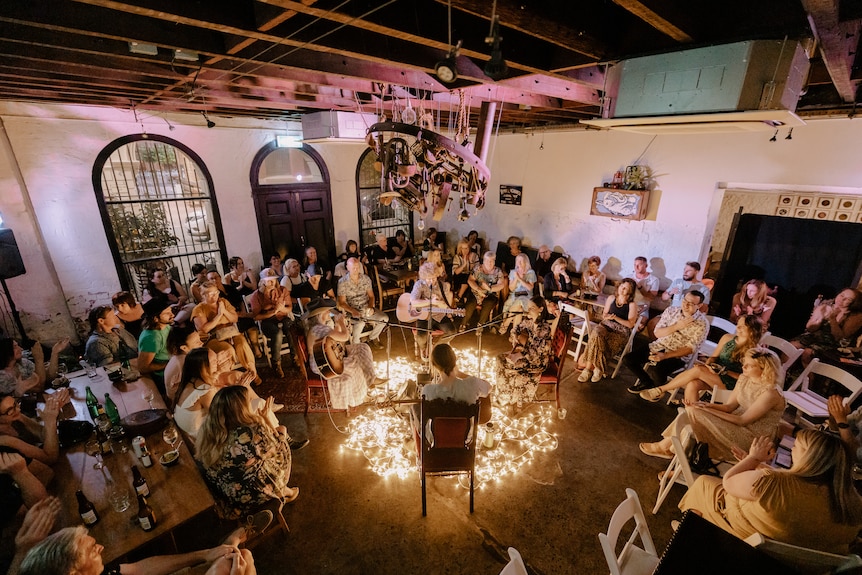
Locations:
column 653, row 450
column 291, row 498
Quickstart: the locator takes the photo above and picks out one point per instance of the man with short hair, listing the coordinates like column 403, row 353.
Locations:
column 679, row 332
column 153, row 353
column 647, row 285
column 314, row 267
column 688, row 281
column 356, row 298
column 108, row 341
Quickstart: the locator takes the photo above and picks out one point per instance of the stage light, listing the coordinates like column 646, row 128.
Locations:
column 210, row 123
column 774, row 136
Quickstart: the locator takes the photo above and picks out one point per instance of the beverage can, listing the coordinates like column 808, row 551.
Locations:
column 137, row 442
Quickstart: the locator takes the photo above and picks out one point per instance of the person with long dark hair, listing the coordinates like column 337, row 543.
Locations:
column 610, row 336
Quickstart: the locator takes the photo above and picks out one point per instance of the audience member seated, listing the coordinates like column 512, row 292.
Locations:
column 753, row 299
column 593, row 279
column 271, row 305
column 18, row 487
column 244, row 323
column 436, row 257
column 217, row 317
column 180, row 341
column 647, row 285
column 38, row 444
column 431, row 291
column 401, row 246
column 475, row 243
column 313, row 267
column 833, row 324
column 246, row 460
column 109, row 342
column 486, row 282
column 356, row 298
column 293, row 277
column 506, row 259
column 847, row 425
column 557, row 282
column 317, row 286
column 21, row 491
column 350, row 388
column 18, row 375
column 462, row 265
column 239, row 279
column 161, row 285
column 611, row 335
column 687, row 282
column 200, row 276
column 432, row 242
column 351, row 250
column 381, row 253
column 130, row 312
column 722, row 369
column 544, row 260
column 754, row 409
column 153, row 353
column 521, row 281
column 518, row 371
column 275, row 265
column 813, row 504
column 680, row 331
column 72, row 551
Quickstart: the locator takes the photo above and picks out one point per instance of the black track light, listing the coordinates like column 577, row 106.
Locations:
column 774, row 136
column 210, row 123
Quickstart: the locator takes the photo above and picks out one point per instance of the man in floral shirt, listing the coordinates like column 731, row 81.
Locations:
column 680, row 331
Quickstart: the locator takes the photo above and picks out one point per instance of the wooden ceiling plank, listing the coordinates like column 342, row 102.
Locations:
column 553, row 87
column 661, row 24
column 838, row 42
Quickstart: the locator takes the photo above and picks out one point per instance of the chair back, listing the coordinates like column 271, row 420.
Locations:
column 580, row 321
column 678, row 470
column 808, row 401
column 559, row 347
column 515, row 566
column 628, row 347
column 632, row 560
column 720, row 395
column 788, row 352
column 803, row 560
column 716, row 324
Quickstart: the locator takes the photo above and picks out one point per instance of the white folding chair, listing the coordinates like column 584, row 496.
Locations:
column 720, row 395
column 515, row 566
column 708, row 346
column 628, row 347
column 632, row 560
column 808, row 402
column 784, row 348
column 581, row 325
column 678, row 470
column 803, row 560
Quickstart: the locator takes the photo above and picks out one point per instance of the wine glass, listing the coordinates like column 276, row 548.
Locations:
column 62, row 370
column 93, row 449
column 171, row 435
column 147, row 395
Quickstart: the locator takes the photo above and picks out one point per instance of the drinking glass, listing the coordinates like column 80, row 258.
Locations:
column 93, row 449
column 117, row 434
column 62, row 370
column 119, row 496
column 147, row 395
column 171, row 435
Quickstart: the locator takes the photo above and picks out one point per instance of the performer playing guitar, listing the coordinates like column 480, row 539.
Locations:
column 431, row 292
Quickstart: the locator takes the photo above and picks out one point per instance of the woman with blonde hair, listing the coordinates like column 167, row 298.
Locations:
column 521, row 282
column 462, row 264
column 753, row 299
column 753, row 409
column 246, row 460
column 813, row 504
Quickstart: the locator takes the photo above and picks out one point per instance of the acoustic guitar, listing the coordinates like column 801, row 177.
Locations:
column 329, row 357
column 406, row 314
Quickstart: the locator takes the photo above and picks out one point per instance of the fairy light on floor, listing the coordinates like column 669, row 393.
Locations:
column 384, row 434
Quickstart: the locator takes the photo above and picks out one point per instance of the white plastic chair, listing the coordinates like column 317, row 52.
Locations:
column 790, row 352
column 678, row 470
column 515, row 566
column 632, row 560
column 581, row 325
column 628, row 347
column 806, row 401
column 708, row 346
column 804, row 560
column 720, row 395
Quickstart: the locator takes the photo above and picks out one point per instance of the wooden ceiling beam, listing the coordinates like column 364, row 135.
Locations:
column 838, row 42
column 661, row 24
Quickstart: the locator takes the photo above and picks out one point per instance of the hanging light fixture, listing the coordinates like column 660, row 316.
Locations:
column 446, row 69
column 210, row 123
column 496, row 67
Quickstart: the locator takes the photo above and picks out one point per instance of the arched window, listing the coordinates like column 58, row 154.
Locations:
column 374, row 216
column 159, row 210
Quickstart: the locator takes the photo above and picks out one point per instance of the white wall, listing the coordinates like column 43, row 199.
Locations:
column 56, row 146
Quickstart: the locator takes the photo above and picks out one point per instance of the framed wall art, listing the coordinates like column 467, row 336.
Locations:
column 620, row 204
column 511, row 194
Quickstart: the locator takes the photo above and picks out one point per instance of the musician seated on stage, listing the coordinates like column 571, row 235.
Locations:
column 431, row 292
column 347, row 368
column 356, row 298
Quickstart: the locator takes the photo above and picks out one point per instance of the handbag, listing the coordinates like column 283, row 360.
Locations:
column 699, row 460
column 226, row 332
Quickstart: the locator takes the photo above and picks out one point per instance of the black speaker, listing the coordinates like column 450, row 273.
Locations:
column 11, row 264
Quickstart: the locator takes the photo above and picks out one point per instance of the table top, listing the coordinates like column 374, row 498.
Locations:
column 177, row 493
column 399, row 274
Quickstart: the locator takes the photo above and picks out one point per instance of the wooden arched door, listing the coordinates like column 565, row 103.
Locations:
column 292, row 200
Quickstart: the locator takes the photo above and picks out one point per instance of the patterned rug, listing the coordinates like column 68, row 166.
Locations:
column 289, row 391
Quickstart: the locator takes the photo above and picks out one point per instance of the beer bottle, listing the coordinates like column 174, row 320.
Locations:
column 139, row 483
column 105, row 444
column 111, row 410
column 93, row 404
column 146, row 460
column 146, row 517
column 86, row 509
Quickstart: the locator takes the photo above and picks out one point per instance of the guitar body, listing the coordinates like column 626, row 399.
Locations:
column 406, row 314
column 329, row 357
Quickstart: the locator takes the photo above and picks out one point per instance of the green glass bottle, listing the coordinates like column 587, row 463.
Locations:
column 92, row 404
column 111, row 410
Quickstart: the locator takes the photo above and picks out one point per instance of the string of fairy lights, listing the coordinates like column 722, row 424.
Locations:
column 384, row 434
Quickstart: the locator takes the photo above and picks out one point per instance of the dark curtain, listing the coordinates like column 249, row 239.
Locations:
column 804, row 258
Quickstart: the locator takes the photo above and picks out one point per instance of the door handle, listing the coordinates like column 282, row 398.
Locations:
column 302, row 240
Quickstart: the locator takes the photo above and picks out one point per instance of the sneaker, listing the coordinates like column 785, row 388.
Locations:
column 585, row 376
column 256, row 524
column 639, row 387
column 653, row 394
column 296, row 445
column 597, row 376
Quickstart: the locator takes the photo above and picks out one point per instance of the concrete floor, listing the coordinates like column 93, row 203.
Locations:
column 348, row 520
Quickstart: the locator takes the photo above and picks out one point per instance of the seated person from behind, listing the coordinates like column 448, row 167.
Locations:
column 350, row 388
column 753, row 299
column 593, row 279
column 813, row 504
column 722, row 369
column 453, row 383
column 312, row 266
column 430, row 291
column 833, row 324
column 356, row 298
column 557, row 282
column 130, row 312
column 18, row 375
column 680, row 331
column 401, row 247
column 753, row 409
column 519, row 371
column 109, row 342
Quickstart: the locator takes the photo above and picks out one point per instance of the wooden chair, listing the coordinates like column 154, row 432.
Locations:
column 632, row 560
column 708, row 346
column 803, row 560
column 628, row 347
column 809, row 402
column 448, row 441
column 554, row 372
column 312, row 380
column 384, row 289
column 786, row 350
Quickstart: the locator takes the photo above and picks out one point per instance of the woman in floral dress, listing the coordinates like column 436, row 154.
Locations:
column 518, row 371
column 246, row 460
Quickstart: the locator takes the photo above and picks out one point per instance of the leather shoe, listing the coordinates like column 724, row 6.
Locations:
column 292, row 497
column 640, row 386
column 296, row 445
column 279, row 371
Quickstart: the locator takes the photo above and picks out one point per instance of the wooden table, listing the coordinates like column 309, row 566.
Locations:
column 177, row 494
column 401, row 276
